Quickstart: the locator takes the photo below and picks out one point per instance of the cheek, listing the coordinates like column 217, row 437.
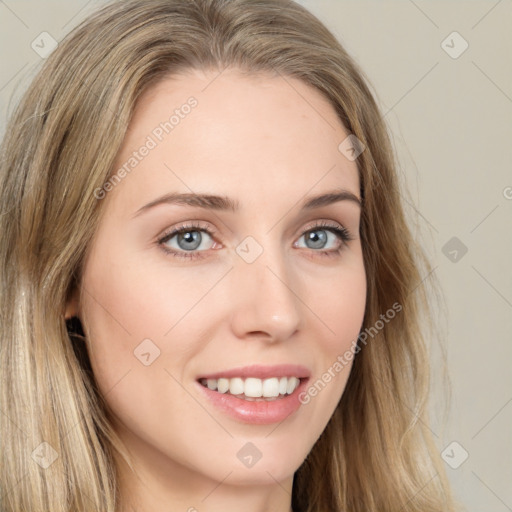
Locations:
column 339, row 302
column 139, row 307
column 339, row 305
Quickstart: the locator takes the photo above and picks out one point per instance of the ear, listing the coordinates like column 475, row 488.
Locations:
column 72, row 305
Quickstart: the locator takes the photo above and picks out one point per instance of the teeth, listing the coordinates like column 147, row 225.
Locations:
column 236, row 386
column 283, row 385
column 290, row 388
column 251, row 387
column 270, row 387
column 223, row 385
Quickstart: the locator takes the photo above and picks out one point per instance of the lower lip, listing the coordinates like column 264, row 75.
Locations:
column 259, row 413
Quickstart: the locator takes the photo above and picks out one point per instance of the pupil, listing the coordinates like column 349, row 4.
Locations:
column 191, row 237
column 318, row 238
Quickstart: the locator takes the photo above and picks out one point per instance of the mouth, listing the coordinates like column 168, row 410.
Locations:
column 253, row 389
column 256, row 394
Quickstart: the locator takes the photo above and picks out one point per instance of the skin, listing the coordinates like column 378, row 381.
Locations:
column 268, row 143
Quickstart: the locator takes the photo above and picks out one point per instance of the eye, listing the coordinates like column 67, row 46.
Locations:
column 317, row 238
column 189, row 240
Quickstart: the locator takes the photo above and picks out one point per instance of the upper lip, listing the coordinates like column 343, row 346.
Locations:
column 261, row 372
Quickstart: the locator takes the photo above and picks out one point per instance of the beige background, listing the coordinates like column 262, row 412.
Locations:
column 451, row 120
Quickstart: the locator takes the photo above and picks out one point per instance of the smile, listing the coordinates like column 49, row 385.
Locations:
column 254, row 389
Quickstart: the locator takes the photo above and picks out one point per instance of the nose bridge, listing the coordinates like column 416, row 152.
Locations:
column 265, row 300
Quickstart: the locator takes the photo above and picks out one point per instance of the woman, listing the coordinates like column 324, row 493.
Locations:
column 210, row 295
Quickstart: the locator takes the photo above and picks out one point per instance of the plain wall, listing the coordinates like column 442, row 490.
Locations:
column 451, row 123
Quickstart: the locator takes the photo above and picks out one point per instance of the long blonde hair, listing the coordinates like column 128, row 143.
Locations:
column 376, row 453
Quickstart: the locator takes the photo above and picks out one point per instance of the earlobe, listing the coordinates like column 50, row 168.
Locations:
column 72, row 305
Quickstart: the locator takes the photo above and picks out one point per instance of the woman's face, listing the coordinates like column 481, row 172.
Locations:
column 258, row 289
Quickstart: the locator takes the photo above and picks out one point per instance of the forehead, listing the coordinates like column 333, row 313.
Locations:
column 253, row 136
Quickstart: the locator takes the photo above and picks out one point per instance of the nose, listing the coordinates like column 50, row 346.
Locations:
column 265, row 304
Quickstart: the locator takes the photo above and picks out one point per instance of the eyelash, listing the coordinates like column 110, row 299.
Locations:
column 342, row 234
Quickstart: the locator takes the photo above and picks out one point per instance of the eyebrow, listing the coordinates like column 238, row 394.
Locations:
column 224, row 203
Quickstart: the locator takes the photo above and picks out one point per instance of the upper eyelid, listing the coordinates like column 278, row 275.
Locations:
column 183, row 226
column 196, row 225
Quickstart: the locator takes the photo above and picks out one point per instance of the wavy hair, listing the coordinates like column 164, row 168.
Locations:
column 376, row 454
